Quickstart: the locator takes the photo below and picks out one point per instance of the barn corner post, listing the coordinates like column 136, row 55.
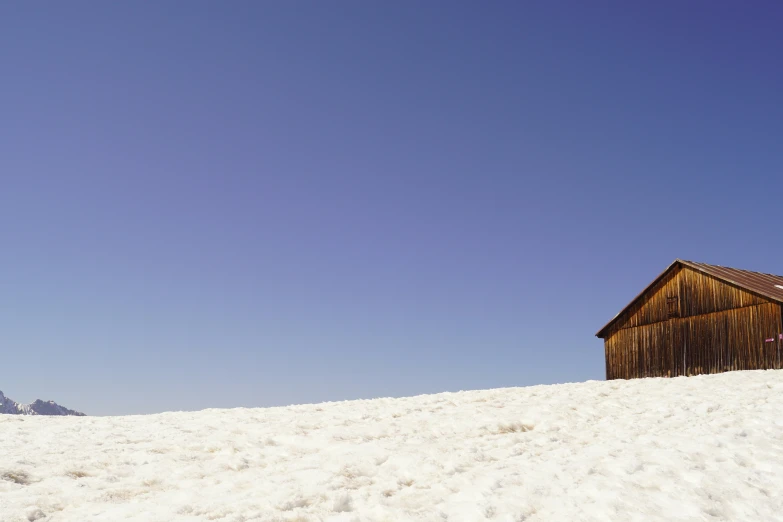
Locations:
column 780, row 338
column 696, row 318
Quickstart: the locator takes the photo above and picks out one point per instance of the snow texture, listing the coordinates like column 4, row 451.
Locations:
column 39, row 407
column 698, row 448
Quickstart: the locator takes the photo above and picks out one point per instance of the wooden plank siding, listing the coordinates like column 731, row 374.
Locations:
column 708, row 326
column 712, row 343
column 697, row 294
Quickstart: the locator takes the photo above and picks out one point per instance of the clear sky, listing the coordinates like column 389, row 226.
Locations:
column 218, row 204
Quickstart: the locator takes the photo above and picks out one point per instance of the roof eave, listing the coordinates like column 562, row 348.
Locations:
column 693, row 266
column 737, row 284
column 602, row 331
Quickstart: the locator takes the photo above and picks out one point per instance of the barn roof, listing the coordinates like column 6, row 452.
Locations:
column 765, row 285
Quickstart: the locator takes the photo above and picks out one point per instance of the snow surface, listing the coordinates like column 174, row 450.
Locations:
column 699, row 448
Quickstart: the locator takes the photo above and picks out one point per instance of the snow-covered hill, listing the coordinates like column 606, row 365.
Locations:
column 699, row 448
column 38, row 407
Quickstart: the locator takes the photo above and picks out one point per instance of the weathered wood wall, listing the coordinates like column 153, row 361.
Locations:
column 716, row 328
column 697, row 294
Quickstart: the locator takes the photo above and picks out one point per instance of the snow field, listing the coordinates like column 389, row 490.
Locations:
column 695, row 449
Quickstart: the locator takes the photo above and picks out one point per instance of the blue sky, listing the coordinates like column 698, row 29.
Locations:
column 218, row 204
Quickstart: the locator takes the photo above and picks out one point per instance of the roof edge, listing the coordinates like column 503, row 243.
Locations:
column 692, row 266
column 671, row 266
column 696, row 266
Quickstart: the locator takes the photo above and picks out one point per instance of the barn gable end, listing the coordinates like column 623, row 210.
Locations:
column 681, row 291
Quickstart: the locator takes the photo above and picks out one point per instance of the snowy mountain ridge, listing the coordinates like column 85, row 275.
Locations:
column 39, row 407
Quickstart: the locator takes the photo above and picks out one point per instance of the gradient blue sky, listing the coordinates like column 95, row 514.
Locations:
column 218, row 204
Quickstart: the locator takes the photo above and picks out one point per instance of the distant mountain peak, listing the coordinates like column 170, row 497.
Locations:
column 39, row 407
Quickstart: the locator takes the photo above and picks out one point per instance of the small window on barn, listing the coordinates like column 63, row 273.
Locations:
column 672, row 306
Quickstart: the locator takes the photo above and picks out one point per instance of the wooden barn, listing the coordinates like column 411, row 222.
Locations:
column 696, row 318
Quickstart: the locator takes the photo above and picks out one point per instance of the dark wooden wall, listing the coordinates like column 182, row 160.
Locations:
column 697, row 294
column 717, row 328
